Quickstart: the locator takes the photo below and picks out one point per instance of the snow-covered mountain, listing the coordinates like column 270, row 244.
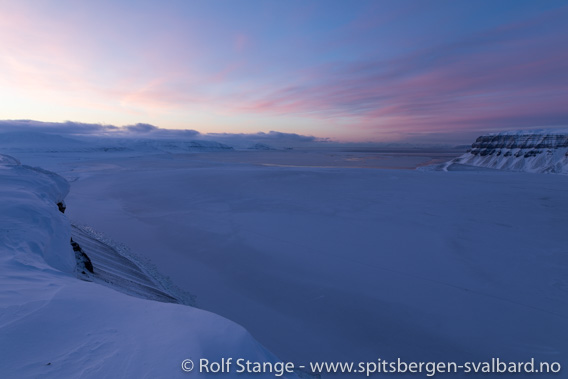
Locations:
column 260, row 146
column 532, row 151
column 176, row 146
column 53, row 325
column 38, row 142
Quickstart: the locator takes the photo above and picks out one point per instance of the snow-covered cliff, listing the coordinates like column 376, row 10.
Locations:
column 53, row 325
column 532, row 151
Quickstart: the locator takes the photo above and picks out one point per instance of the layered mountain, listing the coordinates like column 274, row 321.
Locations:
column 531, row 151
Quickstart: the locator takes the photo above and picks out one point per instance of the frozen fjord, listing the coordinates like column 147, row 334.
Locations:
column 349, row 264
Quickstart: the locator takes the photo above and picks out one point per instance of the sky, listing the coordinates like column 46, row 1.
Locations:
column 379, row 71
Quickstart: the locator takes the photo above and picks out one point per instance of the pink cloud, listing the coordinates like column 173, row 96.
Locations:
column 514, row 74
column 502, row 78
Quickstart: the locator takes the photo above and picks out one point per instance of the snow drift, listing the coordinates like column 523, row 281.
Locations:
column 53, row 325
column 537, row 151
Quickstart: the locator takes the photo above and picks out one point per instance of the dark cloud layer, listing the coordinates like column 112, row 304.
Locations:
column 141, row 130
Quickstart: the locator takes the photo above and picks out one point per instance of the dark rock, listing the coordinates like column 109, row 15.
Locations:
column 532, row 153
column 521, row 141
column 61, row 206
column 83, row 260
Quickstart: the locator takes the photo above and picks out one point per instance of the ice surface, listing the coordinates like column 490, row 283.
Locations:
column 347, row 263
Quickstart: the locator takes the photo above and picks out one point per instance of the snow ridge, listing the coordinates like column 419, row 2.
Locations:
column 119, row 268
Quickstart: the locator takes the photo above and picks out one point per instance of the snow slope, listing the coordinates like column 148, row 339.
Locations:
column 536, row 151
column 53, row 325
column 119, row 269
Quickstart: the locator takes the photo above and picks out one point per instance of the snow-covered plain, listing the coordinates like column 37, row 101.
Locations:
column 329, row 263
column 53, row 325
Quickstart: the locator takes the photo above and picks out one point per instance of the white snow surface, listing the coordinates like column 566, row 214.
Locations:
column 53, row 325
column 347, row 264
column 319, row 263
